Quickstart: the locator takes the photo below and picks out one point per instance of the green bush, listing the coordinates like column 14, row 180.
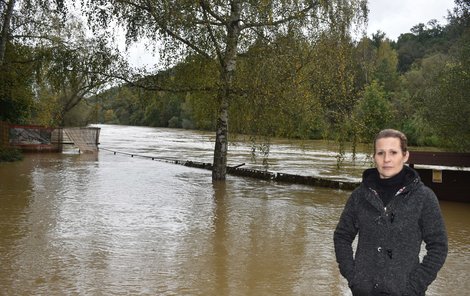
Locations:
column 174, row 122
column 10, row 154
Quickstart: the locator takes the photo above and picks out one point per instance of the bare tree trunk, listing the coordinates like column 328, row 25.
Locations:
column 6, row 29
column 219, row 168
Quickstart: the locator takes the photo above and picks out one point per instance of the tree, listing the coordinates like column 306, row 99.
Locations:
column 386, row 66
column 333, row 82
column 219, row 31
column 58, row 66
column 448, row 109
column 409, row 51
column 423, row 40
column 21, row 28
column 419, row 85
column 73, row 70
column 373, row 112
column 29, row 24
column 366, row 54
column 275, row 96
column 6, row 25
column 16, row 86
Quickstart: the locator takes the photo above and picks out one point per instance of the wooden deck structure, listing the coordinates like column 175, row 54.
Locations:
column 447, row 174
column 36, row 138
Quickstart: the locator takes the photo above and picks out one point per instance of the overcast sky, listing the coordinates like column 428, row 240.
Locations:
column 394, row 17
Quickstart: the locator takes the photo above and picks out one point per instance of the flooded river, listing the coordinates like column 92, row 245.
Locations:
column 112, row 224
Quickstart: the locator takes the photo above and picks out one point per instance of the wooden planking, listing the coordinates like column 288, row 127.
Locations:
column 454, row 185
column 453, row 159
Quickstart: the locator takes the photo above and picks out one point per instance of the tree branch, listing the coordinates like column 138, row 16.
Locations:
column 150, row 9
column 206, row 10
column 289, row 18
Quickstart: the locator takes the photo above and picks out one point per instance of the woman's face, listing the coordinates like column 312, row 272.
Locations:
column 389, row 158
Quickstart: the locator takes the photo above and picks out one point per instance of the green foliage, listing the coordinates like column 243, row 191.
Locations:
column 47, row 111
column 80, row 115
column 174, row 122
column 130, row 106
column 16, row 81
column 418, row 88
column 333, row 82
column 373, row 112
column 109, row 117
column 202, row 110
column 410, row 50
column 275, row 97
column 70, row 72
column 48, row 66
column 365, row 55
column 448, row 110
column 418, row 132
column 10, row 154
column 435, row 103
column 386, row 67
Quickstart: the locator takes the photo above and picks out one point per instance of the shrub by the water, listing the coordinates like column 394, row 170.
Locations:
column 10, row 154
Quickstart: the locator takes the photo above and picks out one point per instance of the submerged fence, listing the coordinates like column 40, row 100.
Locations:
column 252, row 173
column 451, row 185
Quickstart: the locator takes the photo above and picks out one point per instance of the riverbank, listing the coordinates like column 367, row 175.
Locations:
column 8, row 154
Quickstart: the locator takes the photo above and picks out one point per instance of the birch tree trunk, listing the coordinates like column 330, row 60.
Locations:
column 6, row 29
column 219, row 168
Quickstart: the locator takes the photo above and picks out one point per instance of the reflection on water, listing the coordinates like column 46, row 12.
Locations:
column 114, row 225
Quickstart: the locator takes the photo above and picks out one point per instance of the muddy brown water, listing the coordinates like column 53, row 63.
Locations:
column 105, row 224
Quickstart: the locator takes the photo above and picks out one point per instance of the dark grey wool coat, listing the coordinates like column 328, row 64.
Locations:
column 386, row 261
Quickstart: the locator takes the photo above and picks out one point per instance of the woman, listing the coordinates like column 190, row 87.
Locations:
column 392, row 212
